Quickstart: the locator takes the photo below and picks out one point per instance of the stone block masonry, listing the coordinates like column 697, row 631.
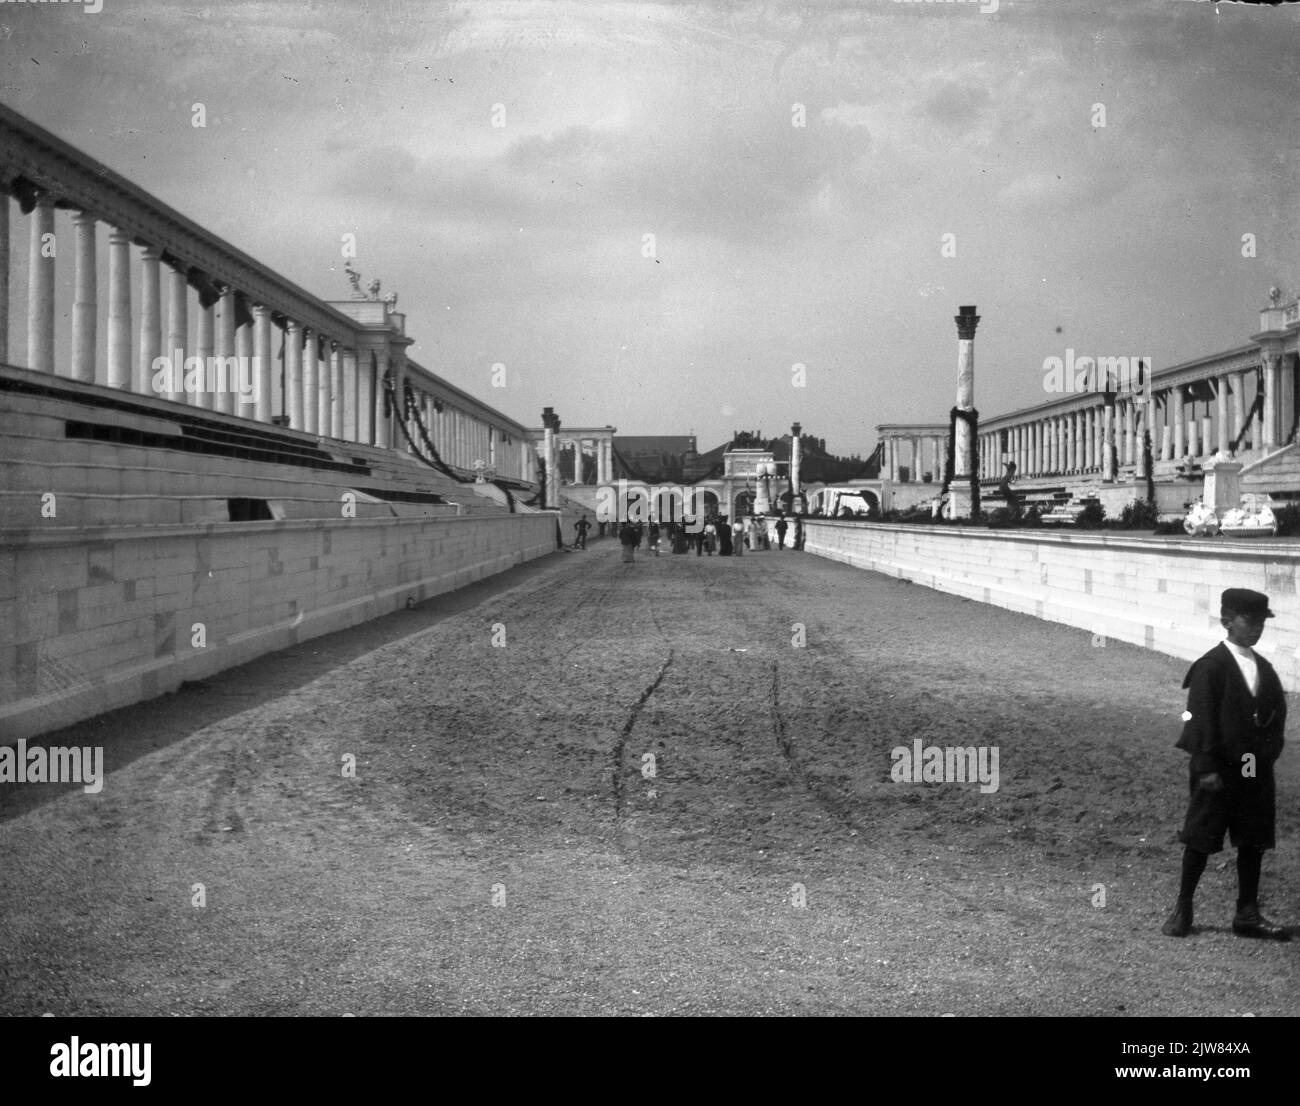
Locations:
column 1159, row 593
column 92, row 620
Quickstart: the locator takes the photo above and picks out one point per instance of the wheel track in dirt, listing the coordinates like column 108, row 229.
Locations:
column 824, row 795
column 620, row 746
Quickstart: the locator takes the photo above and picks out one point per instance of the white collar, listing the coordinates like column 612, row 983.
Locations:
column 1242, row 651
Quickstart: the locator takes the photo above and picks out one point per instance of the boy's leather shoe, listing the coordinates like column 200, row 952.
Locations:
column 1249, row 922
column 1179, row 923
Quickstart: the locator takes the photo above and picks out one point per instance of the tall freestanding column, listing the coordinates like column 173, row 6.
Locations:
column 40, row 287
column 960, row 501
column 796, row 458
column 84, row 302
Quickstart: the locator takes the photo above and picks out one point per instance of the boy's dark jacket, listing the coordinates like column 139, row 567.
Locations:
column 1223, row 725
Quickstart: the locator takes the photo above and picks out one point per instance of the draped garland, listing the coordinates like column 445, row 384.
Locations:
column 1256, row 408
column 413, row 412
column 1149, row 462
column 972, row 419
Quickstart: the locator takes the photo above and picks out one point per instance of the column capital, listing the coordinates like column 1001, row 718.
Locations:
column 966, row 322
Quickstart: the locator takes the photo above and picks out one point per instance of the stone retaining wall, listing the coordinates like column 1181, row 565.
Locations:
column 1161, row 593
column 91, row 620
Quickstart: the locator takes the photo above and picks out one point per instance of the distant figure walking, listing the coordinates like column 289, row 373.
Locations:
column 628, row 538
column 582, row 526
column 652, row 538
column 781, row 527
column 738, row 537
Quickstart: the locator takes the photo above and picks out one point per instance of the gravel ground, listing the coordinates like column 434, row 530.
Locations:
column 503, row 849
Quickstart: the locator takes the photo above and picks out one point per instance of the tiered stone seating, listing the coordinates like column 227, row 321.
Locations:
column 111, row 458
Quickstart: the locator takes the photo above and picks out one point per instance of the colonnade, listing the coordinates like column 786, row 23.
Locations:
column 145, row 320
column 1187, row 420
column 919, row 452
column 602, row 446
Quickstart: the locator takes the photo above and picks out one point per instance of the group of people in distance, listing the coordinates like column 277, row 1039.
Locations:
column 719, row 534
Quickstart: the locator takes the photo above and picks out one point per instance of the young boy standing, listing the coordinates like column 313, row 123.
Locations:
column 1233, row 725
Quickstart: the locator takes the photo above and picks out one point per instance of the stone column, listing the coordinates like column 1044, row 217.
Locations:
column 375, row 421
column 324, row 388
column 222, row 398
column 246, row 349
column 1285, row 399
column 1271, row 362
column 178, row 328
column 150, row 319
column 1179, row 420
column 119, row 309
column 356, row 423
column 40, row 287
column 206, row 340
column 1238, row 385
column 336, row 390
column 310, row 381
column 293, row 375
column 796, row 457
column 85, row 299
column 1193, row 446
column 552, row 483
column 263, row 365
column 1130, row 430
column 1108, row 443
column 1221, row 414
column 959, row 492
column 1147, row 439
column 1089, row 441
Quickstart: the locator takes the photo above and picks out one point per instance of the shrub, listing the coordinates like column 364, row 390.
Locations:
column 1093, row 517
column 1288, row 520
column 1139, row 515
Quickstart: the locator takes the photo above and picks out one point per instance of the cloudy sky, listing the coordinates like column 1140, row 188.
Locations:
column 502, row 164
